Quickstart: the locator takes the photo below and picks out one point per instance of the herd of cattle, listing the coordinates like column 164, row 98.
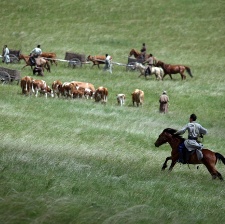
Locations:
column 75, row 89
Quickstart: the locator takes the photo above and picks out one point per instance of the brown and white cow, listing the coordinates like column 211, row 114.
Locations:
column 56, row 86
column 96, row 60
column 25, row 84
column 67, row 89
column 121, row 99
column 138, row 97
column 89, row 88
column 40, row 86
column 101, row 94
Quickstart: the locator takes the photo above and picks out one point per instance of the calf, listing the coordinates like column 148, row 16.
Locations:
column 25, row 84
column 96, row 60
column 67, row 89
column 138, row 97
column 56, row 85
column 40, row 86
column 101, row 94
column 89, row 88
column 120, row 99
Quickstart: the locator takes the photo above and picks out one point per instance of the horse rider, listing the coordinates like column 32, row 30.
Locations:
column 195, row 130
column 108, row 63
column 150, row 62
column 35, row 53
column 5, row 54
column 143, row 51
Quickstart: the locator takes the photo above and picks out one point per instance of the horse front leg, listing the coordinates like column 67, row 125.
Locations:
column 165, row 163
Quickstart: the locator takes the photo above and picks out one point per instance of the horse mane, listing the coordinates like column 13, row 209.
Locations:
column 172, row 132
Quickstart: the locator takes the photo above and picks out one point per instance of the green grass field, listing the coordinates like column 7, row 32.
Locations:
column 77, row 161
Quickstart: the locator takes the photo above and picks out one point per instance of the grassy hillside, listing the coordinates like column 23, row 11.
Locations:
column 77, row 161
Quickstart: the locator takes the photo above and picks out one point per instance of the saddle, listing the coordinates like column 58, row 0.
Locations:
column 184, row 154
column 32, row 61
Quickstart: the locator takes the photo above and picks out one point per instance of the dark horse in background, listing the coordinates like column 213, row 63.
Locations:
column 209, row 158
column 174, row 69
column 137, row 54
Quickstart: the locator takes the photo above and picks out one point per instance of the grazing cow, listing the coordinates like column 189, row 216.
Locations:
column 78, row 93
column 96, row 60
column 67, row 89
column 121, row 99
column 40, row 86
column 101, row 94
column 56, row 86
column 49, row 56
column 138, row 97
column 89, row 88
column 25, row 84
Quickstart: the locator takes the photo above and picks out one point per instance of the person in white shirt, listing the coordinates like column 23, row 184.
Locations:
column 108, row 63
column 6, row 57
column 36, row 51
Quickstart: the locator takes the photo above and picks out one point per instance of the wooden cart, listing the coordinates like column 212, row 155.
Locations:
column 131, row 63
column 7, row 75
column 75, row 60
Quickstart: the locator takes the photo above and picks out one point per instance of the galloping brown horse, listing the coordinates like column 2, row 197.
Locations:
column 39, row 61
column 137, row 54
column 209, row 158
column 174, row 69
column 50, row 56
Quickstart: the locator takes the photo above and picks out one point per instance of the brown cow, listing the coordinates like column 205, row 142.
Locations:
column 56, row 85
column 41, row 86
column 49, row 56
column 25, row 84
column 138, row 97
column 97, row 60
column 101, row 94
column 67, row 89
column 89, row 88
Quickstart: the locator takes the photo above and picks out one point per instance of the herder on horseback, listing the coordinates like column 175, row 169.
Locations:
column 35, row 53
column 194, row 131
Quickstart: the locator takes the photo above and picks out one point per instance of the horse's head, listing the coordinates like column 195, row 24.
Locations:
column 134, row 52
column 166, row 136
column 139, row 65
column 159, row 64
column 88, row 58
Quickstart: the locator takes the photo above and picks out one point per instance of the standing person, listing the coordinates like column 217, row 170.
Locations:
column 6, row 57
column 108, row 63
column 150, row 62
column 143, row 51
column 195, row 130
column 163, row 103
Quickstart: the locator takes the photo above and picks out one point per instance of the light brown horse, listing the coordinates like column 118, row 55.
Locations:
column 174, row 69
column 137, row 54
column 50, row 56
column 39, row 62
column 209, row 158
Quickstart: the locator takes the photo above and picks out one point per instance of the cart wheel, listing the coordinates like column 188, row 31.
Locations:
column 4, row 77
column 13, row 59
column 131, row 66
column 75, row 63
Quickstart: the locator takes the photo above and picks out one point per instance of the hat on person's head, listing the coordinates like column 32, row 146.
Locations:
column 106, row 55
column 164, row 92
column 38, row 45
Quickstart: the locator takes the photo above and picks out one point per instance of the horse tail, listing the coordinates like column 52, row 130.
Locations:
column 220, row 157
column 188, row 71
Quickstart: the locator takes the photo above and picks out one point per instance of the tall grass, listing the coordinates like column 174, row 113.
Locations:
column 76, row 161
